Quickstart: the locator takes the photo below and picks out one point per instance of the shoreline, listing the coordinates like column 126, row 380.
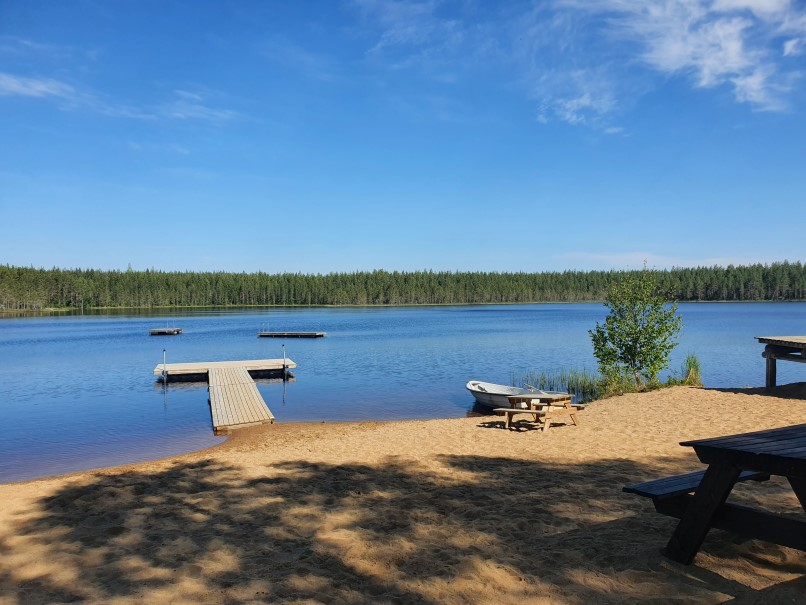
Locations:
column 410, row 511
column 786, row 391
column 102, row 310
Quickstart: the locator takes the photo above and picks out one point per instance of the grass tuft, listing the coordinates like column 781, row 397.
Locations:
column 589, row 386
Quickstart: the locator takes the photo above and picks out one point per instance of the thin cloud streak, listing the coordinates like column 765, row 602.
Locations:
column 185, row 105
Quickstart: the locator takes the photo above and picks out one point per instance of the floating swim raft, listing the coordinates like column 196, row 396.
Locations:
column 165, row 331
column 292, row 334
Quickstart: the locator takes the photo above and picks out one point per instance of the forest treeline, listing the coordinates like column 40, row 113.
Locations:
column 31, row 288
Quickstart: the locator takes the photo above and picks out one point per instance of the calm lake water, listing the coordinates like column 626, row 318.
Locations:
column 77, row 392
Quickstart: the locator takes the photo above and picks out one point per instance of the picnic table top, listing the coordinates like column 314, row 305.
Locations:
column 539, row 396
column 779, row 451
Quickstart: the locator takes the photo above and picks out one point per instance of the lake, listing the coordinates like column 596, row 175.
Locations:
column 77, row 391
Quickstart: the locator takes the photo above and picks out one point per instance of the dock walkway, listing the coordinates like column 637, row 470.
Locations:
column 235, row 401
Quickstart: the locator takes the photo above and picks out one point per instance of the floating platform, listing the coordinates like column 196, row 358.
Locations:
column 165, row 331
column 235, row 401
column 291, row 334
column 257, row 368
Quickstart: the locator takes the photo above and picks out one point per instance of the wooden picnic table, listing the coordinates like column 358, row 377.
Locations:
column 779, row 452
column 544, row 407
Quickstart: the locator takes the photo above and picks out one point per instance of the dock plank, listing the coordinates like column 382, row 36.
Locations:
column 251, row 365
column 235, row 399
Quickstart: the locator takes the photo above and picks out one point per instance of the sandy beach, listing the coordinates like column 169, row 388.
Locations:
column 438, row 511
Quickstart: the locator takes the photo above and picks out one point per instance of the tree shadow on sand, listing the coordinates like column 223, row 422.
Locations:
column 477, row 530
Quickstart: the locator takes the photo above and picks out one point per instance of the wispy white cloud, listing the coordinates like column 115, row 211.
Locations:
column 184, row 105
column 582, row 96
column 588, row 62
column 418, row 34
column 11, row 85
column 16, row 46
column 737, row 43
column 410, row 24
column 793, row 47
column 188, row 105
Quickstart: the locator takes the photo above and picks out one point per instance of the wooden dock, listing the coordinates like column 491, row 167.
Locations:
column 786, row 348
column 235, row 401
column 165, row 331
column 255, row 367
column 292, row 334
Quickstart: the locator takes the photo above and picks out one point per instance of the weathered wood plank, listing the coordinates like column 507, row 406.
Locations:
column 251, row 365
column 797, row 342
column 235, row 399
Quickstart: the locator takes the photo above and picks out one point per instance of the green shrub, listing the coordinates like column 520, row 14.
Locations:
column 638, row 334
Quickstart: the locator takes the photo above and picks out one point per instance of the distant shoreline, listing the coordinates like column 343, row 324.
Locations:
column 376, row 306
column 28, row 288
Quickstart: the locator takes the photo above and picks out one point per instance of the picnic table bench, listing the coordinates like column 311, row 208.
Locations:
column 543, row 407
column 699, row 499
column 670, row 495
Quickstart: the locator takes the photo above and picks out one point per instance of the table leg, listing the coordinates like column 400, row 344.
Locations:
column 799, row 487
column 572, row 413
column 712, row 492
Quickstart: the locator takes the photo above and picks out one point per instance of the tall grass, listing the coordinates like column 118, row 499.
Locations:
column 583, row 384
column 692, row 371
column 587, row 386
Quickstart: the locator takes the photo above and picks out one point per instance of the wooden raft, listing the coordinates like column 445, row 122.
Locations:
column 165, row 331
column 235, row 401
column 292, row 334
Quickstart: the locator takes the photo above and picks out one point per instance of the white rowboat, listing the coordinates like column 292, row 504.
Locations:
column 493, row 395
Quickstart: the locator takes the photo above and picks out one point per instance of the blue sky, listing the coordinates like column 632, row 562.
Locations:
column 379, row 134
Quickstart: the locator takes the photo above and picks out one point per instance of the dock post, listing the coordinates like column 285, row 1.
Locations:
column 771, row 378
column 164, row 369
column 285, row 366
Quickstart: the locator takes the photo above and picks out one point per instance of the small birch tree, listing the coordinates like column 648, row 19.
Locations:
column 639, row 333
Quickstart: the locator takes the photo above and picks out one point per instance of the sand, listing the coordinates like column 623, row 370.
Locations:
column 438, row 511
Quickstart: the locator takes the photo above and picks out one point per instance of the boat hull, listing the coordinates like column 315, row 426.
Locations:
column 493, row 395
